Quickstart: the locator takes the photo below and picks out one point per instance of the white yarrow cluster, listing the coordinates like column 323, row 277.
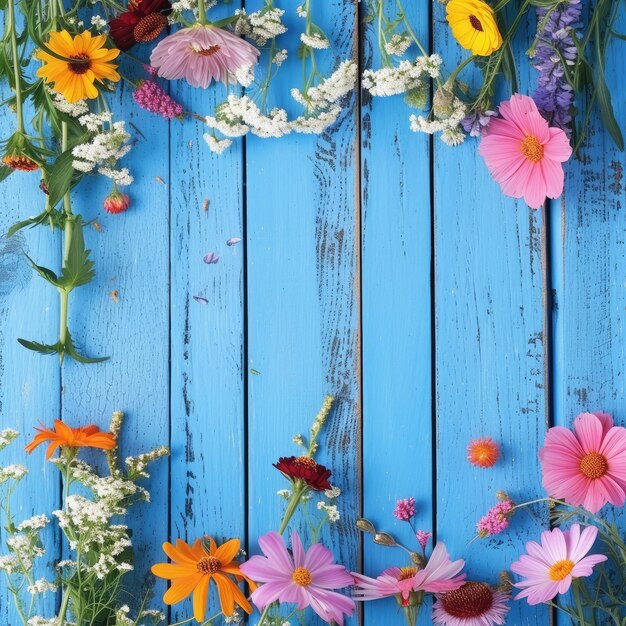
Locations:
column 406, row 76
column 398, row 44
column 37, row 522
column 315, row 41
column 216, row 145
column 98, row 22
column 73, row 109
column 7, row 436
column 332, row 493
column 447, row 113
column 331, row 510
column 41, row 586
column 12, row 472
column 261, row 26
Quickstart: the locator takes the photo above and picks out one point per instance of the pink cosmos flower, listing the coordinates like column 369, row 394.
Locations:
column 201, row 54
column 405, row 509
column 439, row 575
column 550, row 568
column 306, row 578
column 473, row 604
column 588, row 466
column 524, row 155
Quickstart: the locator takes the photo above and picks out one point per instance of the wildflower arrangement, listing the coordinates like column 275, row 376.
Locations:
column 524, row 139
column 61, row 62
column 90, row 578
column 294, row 571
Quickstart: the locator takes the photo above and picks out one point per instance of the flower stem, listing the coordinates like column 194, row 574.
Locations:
column 202, row 12
column 16, row 67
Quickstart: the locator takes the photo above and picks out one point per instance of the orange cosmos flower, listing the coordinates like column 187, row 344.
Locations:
column 64, row 436
column 483, row 452
column 192, row 569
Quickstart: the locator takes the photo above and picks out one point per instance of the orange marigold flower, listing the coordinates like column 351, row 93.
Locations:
column 483, row 452
column 64, row 436
column 19, row 162
column 192, row 569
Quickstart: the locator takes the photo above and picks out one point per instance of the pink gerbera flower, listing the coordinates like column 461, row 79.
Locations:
column 588, row 466
column 439, row 575
column 473, row 604
column 201, row 54
column 524, row 155
column 550, row 568
column 304, row 577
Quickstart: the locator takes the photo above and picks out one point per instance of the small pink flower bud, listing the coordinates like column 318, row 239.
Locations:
column 116, row 202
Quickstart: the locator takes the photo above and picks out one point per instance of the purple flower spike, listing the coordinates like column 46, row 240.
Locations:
column 554, row 96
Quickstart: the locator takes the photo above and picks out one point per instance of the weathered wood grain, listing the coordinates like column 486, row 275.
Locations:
column 132, row 326
column 490, row 354
column 396, row 282
column 29, row 385
column 303, row 296
column 207, row 368
column 589, row 274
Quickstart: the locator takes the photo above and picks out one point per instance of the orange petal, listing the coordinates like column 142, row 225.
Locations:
column 182, row 588
column 170, row 570
column 189, row 552
column 228, row 551
column 52, row 449
column 224, row 590
column 200, row 595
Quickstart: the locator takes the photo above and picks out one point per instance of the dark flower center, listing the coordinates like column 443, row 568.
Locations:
column 305, row 461
column 209, row 565
column 470, row 600
column 149, row 27
column 594, row 465
column 207, row 52
column 475, row 22
column 80, row 63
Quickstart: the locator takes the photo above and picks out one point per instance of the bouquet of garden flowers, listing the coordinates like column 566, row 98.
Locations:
column 90, row 579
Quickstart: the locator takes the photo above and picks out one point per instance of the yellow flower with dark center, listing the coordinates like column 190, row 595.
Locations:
column 84, row 61
column 474, row 26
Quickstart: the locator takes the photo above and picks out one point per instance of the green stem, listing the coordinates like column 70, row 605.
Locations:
column 16, row 67
column 64, row 605
column 460, row 67
column 407, row 25
column 202, row 12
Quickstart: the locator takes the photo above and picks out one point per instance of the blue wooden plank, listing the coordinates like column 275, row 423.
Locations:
column 396, row 280
column 303, row 296
column 491, row 358
column 131, row 325
column 29, row 383
column 588, row 269
column 208, row 466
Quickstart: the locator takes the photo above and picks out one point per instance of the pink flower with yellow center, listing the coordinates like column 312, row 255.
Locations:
column 523, row 154
column 201, row 54
column 304, row 577
column 587, row 466
column 549, row 569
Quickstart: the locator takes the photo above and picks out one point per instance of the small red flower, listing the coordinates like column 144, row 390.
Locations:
column 20, row 162
column 116, row 202
column 142, row 22
column 483, row 452
column 304, row 468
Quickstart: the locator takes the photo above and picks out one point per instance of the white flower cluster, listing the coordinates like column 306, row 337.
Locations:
column 99, row 22
column 331, row 510
column 332, row 493
column 104, row 148
column 235, row 618
column 37, row 522
column 73, row 109
column 41, row 586
column 12, row 472
column 7, row 436
column 447, row 113
column 284, row 493
column 9, row 563
column 26, row 547
column 301, row 11
column 406, row 76
column 316, row 41
column 260, row 26
column 398, row 44
column 136, row 465
column 280, row 56
column 217, row 145
column 151, row 616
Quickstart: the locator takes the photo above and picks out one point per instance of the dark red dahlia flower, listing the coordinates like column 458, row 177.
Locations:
column 303, row 468
column 143, row 21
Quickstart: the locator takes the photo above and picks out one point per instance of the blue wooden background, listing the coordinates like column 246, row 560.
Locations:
column 377, row 265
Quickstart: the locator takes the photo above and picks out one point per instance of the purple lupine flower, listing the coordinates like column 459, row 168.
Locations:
column 153, row 98
column 554, row 96
column 477, row 122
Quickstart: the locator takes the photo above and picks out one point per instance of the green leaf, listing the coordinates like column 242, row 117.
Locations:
column 60, row 177
column 606, row 111
column 5, row 172
column 78, row 268
column 42, row 348
column 71, row 351
column 45, row 273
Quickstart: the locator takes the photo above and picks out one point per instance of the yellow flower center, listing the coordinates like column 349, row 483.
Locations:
column 532, row 149
column 407, row 572
column 560, row 570
column 594, row 465
column 476, row 24
column 80, row 63
column 301, row 576
column 209, row 565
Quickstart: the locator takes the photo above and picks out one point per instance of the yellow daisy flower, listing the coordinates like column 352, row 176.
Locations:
column 85, row 61
column 474, row 26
